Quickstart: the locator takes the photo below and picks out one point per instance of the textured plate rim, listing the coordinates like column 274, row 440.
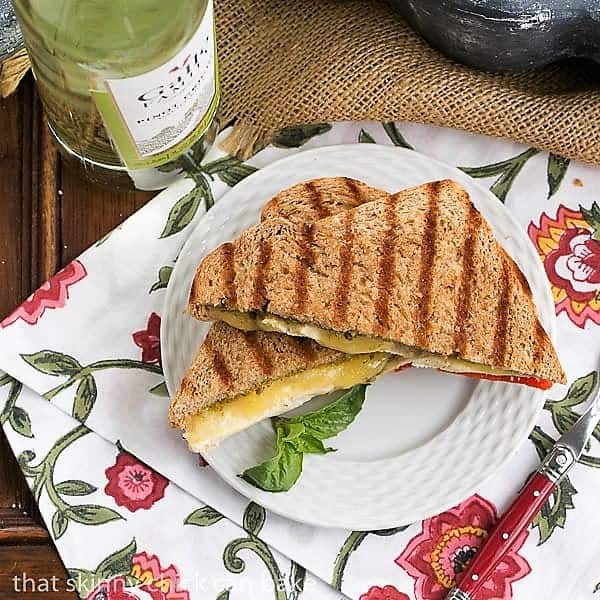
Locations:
column 541, row 290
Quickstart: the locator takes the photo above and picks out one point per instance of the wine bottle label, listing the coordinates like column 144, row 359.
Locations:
column 155, row 116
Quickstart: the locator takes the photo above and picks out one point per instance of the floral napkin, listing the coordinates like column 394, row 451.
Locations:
column 137, row 516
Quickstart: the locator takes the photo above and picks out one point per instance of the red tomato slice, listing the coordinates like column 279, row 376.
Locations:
column 535, row 382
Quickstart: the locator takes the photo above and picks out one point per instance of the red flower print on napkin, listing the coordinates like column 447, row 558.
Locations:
column 133, row 484
column 387, row 592
column 149, row 340
column 571, row 257
column 160, row 583
column 52, row 294
column 439, row 554
column 115, row 589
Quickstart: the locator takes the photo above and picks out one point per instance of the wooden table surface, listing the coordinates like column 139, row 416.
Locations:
column 49, row 215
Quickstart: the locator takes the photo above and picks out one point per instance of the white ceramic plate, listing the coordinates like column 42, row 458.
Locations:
column 423, row 440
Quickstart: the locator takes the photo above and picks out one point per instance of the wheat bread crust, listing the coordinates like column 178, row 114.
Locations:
column 231, row 362
column 313, row 200
column 421, row 267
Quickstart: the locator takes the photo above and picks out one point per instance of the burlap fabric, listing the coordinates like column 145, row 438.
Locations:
column 287, row 62
column 291, row 62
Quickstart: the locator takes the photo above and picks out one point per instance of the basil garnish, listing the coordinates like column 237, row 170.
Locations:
column 301, row 435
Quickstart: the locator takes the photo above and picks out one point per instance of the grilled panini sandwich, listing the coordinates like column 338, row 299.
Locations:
column 241, row 377
column 418, row 275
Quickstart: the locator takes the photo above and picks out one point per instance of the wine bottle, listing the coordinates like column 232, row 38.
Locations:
column 128, row 86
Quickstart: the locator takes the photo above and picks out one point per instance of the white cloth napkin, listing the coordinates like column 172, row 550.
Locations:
column 88, row 341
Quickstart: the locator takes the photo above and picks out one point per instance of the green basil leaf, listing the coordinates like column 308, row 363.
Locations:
column 309, row 444
column 52, row 363
column 334, row 417
column 289, row 431
column 278, row 474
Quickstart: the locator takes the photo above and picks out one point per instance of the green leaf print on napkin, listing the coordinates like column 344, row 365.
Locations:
column 17, row 417
column 203, row 517
column 364, row 137
column 116, row 564
column 164, row 274
column 85, row 397
column 301, row 435
column 228, row 169
column 42, row 474
column 563, row 417
column 556, row 171
column 75, row 487
column 592, row 216
column 184, row 211
column 58, row 364
column 395, row 136
column 52, row 363
column 294, row 137
column 507, row 170
column 350, row 545
column 554, row 511
column 253, row 520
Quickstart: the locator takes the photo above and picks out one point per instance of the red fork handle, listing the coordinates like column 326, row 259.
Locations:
column 517, row 518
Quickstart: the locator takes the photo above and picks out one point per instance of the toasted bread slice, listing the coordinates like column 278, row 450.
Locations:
column 317, row 199
column 239, row 378
column 421, row 271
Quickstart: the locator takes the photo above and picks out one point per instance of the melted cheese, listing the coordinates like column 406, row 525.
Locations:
column 212, row 425
column 357, row 344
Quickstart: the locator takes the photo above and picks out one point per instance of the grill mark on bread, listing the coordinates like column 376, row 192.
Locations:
column 387, row 265
column 426, row 263
column 260, row 356
column 218, row 363
column 228, row 266
column 340, row 306
column 500, row 337
column 264, row 256
column 355, row 190
column 307, row 259
column 463, row 301
column 315, row 200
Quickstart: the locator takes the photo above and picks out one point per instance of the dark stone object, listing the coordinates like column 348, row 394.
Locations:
column 11, row 39
column 507, row 35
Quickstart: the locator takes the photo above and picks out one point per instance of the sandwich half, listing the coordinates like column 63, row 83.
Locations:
column 239, row 378
column 417, row 275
